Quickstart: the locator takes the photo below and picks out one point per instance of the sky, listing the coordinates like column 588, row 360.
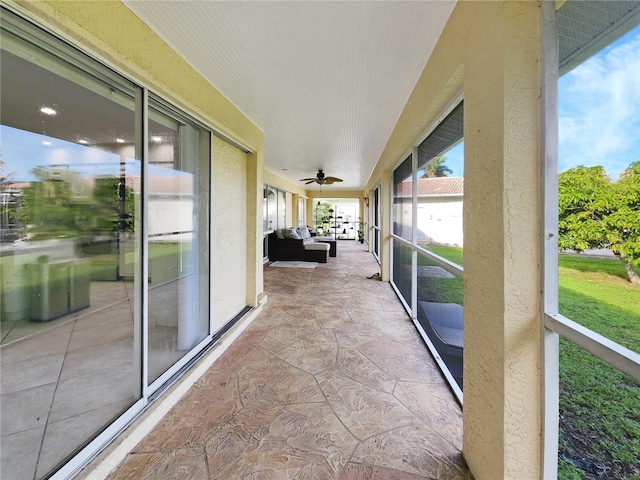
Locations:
column 599, row 111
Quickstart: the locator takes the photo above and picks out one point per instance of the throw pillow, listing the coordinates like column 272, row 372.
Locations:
column 303, row 232
column 291, row 233
column 279, row 234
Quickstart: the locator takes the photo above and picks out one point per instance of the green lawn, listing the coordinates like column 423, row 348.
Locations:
column 441, row 290
column 453, row 254
column 599, row 406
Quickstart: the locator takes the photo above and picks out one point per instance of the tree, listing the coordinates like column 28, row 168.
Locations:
column 49, row 208
column 437, row 168
column 322, row 213
column 597, row 213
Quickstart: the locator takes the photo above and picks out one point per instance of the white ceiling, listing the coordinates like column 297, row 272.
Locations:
column 325, row 80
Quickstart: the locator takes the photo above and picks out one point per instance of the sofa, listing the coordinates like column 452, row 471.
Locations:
column 298, row 244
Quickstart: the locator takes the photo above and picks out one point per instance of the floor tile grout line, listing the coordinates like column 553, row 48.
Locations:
column 53, row 396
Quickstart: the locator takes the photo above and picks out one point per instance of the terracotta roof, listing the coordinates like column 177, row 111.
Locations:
column 433, row 186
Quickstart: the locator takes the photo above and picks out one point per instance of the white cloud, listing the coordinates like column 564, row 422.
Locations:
column 599, row 112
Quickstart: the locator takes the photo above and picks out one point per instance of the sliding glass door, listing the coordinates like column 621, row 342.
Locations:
column 70, row 254
column 104, row 259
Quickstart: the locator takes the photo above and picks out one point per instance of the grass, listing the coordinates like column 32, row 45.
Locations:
column 441, row 290
column 599, row 406
column 453, row 254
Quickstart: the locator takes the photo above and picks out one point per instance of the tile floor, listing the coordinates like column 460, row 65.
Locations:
column 330, row 381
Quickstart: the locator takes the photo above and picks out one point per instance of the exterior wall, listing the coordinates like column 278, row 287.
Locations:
column 490, row 52
column 229, row 182
column 440, row 220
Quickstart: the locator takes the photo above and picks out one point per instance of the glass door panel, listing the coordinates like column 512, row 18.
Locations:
column 177, row 222
column 282, row 209
column 271, row 222
column 70, row 255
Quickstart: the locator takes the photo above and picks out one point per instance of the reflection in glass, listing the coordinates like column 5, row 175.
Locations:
column 403, row 200
column 440, row 310
column 272, row 206
column 302, row 213
column 282, row 209
column 376, row 220
column 69, row 259
column 402, row 269
column 178, row 216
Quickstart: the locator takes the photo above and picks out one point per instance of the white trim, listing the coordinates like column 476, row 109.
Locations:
column 144, row 240
column 550, row 382
column 414, row 231
column 619, row 357
column 443, row 262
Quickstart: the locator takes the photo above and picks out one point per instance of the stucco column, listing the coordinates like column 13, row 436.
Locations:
column 385, row 227
column 255, row 165
column 502, row 242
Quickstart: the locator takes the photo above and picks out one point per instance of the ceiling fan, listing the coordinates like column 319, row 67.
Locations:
column 321, row 179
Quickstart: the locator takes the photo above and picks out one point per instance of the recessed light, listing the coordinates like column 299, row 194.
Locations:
column 120, row 140
column 156, row 138
column 45, row 142
column 48, row 111
column 83, row 141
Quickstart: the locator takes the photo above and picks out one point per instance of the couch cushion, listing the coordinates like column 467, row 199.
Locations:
column 291, row 233
column 316, row 246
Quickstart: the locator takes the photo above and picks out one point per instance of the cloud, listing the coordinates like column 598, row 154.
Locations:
column 599, row 109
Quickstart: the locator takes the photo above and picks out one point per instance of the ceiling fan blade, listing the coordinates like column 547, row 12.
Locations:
column 320, row 179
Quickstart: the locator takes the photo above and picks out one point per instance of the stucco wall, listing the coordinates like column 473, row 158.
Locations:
column 489, row 51
column 229, row 182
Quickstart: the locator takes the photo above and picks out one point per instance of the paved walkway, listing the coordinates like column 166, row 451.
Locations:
column 331, row 381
